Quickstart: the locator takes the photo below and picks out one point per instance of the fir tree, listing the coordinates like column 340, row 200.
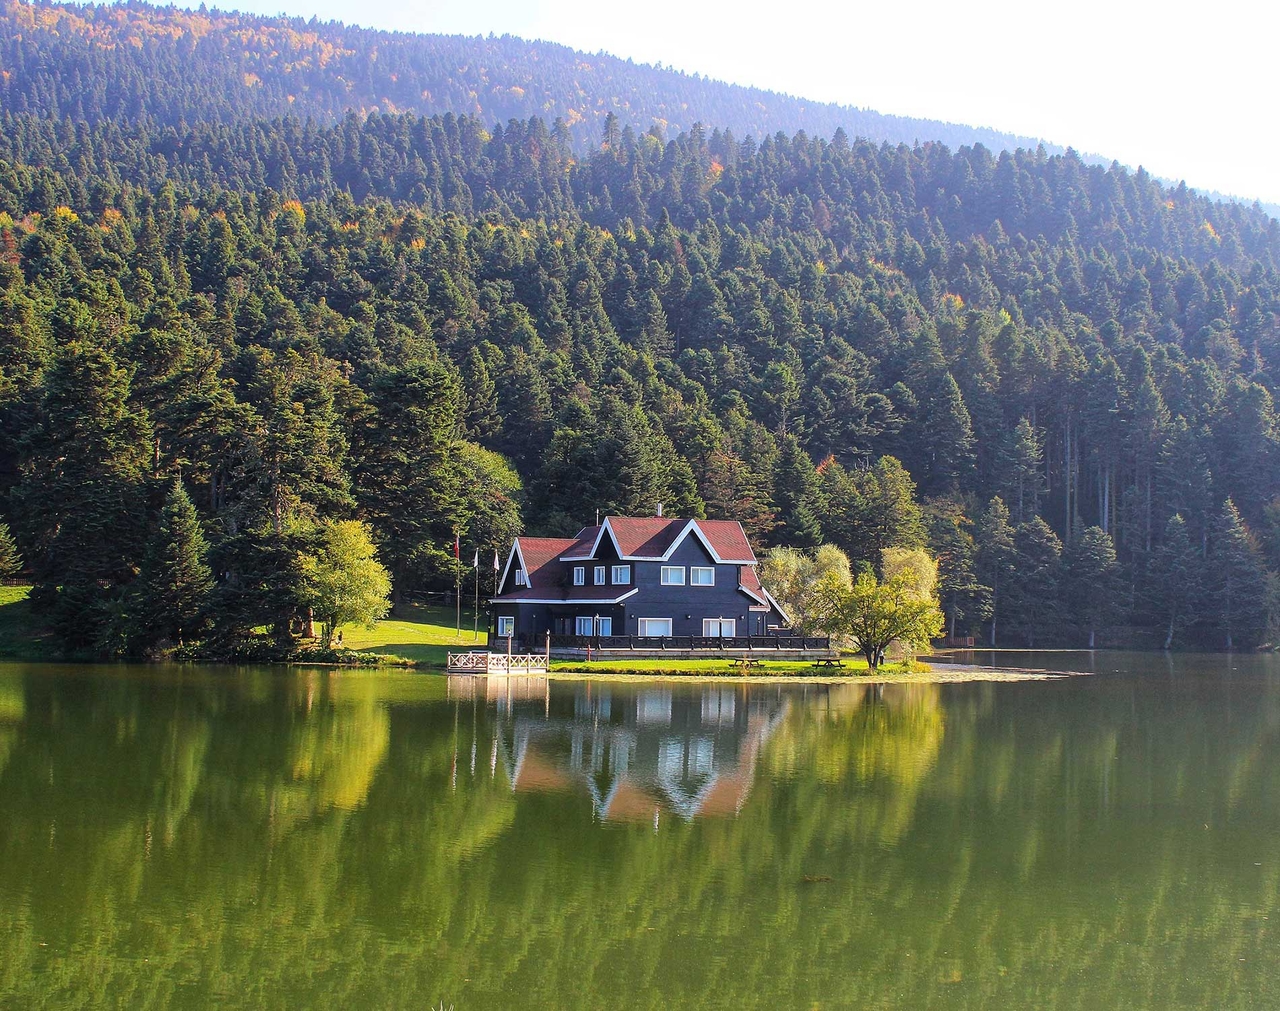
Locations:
column 796, row 496
column 996, row 557
column 1023, row 470
column 1177, row 578
column 1031, row 605
column 82, row 495
column 10, row 557
column 1092, row 582
column 1238, row 580
column 408, row 480
column 965, row 601
column 175, row 582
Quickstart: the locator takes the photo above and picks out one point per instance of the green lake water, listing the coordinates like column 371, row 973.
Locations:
column 251, row 838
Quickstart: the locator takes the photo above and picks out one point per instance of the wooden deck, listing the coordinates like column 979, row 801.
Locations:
column 490, row 664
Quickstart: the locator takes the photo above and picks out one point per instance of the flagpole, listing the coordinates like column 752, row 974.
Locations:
column 475, row 614
column 457, row 587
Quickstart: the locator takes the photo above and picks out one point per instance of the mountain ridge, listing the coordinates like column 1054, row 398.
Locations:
column 490, row 77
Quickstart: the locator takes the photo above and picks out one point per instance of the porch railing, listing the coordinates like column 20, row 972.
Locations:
column 750, row 643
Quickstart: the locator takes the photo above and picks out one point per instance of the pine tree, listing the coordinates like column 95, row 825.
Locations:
column 175, row 582
column 1177, row 576
column 1092, row 581
column 887, row 514
column 1238, row 580
column 10, row 557
column 947, row 438
column 796, row 495
column 481, row 415
column 1032, row 606
column 81, row 500
column 965, row 601
column 407, row 476
column 1022, row 466
column 996, row 557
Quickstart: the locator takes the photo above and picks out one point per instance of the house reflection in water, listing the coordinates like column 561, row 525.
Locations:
column 638, row 752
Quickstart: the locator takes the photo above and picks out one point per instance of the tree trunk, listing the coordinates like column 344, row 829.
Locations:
column 1066, row 481
column 993, row 613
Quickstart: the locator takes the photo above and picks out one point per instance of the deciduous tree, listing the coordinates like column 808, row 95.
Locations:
column 343, row 582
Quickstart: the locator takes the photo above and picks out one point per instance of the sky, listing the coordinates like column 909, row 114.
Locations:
column 1187, row 91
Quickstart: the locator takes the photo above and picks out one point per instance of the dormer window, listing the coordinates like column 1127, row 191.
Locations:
column 521, row 579
column 599, row 575
column 621, row 575
column 579, row 575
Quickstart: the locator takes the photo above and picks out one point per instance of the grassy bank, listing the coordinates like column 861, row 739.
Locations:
column 423, row 635
column 21, row 635
column 707, row 668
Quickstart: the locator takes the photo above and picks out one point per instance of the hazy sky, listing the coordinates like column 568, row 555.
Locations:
column 1188, row 91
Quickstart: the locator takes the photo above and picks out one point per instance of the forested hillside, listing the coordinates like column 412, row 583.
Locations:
column 133, row 62
column 1058, row 377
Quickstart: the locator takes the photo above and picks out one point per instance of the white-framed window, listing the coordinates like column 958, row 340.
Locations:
column 579, row 575
column 702, row 575
column 654, row 627
column 592, row 624
column 673, row 575
column 521, row 580
column 621, row 575
column 720, row 627
column 599, row 575
column 506, row 626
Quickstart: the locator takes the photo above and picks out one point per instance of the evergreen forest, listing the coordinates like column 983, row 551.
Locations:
column 221, row 336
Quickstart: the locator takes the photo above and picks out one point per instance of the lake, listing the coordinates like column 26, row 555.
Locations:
column 256, row 838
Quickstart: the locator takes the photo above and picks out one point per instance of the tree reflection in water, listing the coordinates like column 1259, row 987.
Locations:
column 259, row 839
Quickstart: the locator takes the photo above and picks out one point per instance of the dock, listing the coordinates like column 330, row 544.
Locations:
column 483, row 664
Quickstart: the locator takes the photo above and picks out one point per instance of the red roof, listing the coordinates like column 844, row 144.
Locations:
column 653, row 537
column 540, row 556
column 646, row 536
column 583, row 543
column 728, row 539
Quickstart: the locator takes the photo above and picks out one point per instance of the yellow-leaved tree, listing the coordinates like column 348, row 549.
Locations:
column 900, row 607
column 343, row 582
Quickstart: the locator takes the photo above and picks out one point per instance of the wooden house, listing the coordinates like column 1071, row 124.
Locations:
column 640, row 582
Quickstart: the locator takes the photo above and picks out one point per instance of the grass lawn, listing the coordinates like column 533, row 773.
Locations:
column 424, row 635
column 621, row 665
column 21, row 636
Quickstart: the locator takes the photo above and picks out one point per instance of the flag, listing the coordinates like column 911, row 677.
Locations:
column 475, row 562
column 495, row 559
column 457, row 548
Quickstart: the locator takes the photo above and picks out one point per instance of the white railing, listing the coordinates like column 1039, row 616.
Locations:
column 497, row 663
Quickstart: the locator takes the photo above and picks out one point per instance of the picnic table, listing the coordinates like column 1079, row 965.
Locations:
column 745, row 662
column 829, row 662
